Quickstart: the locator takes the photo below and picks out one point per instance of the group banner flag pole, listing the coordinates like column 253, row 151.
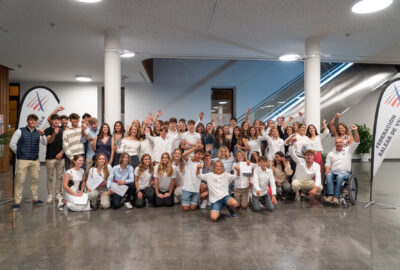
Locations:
column 386, row 128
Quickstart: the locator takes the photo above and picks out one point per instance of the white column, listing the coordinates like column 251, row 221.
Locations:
column 312, row 77
column 112, row 78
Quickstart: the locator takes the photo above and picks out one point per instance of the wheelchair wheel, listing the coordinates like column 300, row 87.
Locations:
column 353, row 190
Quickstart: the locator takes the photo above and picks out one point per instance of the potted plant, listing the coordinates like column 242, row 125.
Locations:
column 4, row 139
column 365, row 142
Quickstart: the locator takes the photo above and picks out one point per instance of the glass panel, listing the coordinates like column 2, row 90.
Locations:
column 221, row 105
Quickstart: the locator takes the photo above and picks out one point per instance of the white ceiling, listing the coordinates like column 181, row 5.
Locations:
column 238, row 29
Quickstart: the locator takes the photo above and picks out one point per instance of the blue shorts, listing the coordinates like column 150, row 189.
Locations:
column 218, row 204
column 189, row 198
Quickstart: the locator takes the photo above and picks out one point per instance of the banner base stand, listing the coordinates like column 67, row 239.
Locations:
column 372, row 203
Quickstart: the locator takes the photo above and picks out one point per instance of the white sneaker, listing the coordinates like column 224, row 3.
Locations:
column 60, row 205
column 128, row 205
column 58, row 197
column 50, row 198
column 204, row 204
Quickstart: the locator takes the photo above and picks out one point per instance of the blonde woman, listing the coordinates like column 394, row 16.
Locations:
column 143, row 182
column 131, row 145
column 164, row 181
column 100, row 194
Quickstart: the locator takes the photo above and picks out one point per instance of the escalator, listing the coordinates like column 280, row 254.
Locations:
column 342, row 85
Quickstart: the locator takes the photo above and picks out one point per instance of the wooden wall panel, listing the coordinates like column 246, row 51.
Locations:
column 4, row 110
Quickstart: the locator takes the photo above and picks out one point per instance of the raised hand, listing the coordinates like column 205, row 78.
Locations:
column 337, row 115
column 354, row 127
column 201, row 115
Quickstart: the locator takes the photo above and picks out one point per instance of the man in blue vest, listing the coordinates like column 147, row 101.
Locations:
column 25, row 144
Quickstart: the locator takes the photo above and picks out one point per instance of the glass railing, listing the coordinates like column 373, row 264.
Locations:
column 291, row 94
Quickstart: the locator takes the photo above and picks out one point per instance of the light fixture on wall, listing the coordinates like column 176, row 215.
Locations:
column 289, row 57
column 127, row 54
column 83, row 78
column 223, row 102
column 370, row 6
column 89, row 1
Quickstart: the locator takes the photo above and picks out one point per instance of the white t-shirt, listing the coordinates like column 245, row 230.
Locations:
column 132, row 147
column 164, row 180
column 146, row 147
column 191, row 180
column 160, row 146
column 180, row 176
column 341, row 161
column 227, row 162
column 261, row 180
column 175, row 137
column 144, row 179
column 316, row 144
column 191, row 138
column 218, row 184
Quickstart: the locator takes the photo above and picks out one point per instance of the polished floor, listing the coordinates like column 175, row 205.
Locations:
column 296, row 235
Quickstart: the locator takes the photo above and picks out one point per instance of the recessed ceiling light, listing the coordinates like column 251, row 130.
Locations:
column 89, row 1
column 370, row 6
column 289, row 57
column 127, row 54
column 281, row 102
column 83, row 78
column 223, row 102
column 215, row 107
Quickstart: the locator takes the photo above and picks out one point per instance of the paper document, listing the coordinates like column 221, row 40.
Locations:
column 244, row 169
column 119, row 189
column 79, row 200
column 93, row 183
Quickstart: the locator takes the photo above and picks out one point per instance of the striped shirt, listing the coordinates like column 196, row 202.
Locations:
column 72, row 142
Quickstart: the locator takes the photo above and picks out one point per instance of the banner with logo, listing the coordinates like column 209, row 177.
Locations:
column 387, row 124
column 38, row 100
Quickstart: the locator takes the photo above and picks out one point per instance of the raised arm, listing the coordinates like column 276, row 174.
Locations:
column 293, row 155
column 332, row 124
column 246, row 118
column 58, row 109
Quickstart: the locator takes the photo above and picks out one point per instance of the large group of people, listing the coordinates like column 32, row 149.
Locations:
column 164, row 163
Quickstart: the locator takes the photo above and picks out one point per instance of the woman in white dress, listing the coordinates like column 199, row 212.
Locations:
column 74, row 186
column 316, row 140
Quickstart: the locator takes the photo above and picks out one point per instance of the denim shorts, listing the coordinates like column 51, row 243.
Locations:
column 218, row 204
column 189, row 198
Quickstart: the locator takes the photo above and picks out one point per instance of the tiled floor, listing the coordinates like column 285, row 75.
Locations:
column 294, row 236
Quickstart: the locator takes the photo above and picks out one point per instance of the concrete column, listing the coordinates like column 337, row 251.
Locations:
column 312, row 77
column 112, row 78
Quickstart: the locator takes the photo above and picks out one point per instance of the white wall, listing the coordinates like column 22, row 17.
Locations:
column 182, row 88
column 74, row 97
column 364, row 113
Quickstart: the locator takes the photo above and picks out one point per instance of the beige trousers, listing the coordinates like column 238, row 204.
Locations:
column 305, row 185
column 58, row 166
column 21, row 168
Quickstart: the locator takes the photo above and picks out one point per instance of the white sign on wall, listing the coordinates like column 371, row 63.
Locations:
column 387, row 123
column 38, row 100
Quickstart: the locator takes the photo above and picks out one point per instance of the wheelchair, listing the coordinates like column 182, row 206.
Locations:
column 348, row 194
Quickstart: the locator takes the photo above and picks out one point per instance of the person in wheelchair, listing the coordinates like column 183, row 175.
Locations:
column 307, row 177
column 338, row 166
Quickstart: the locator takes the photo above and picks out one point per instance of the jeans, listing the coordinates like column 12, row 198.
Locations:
column 148, row 193
column 221, row 202
column 116, row 200
column 134, row 161
column 265, row 200
column 190, row 198
column 116, row 159
column 330, row 179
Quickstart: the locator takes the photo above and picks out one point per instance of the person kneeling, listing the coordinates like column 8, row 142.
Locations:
column 143, row 178
column 218, row 187
column 100, row 170
column 74, row 186
column 164, row 181
column 262, row 178
column 307, row 176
